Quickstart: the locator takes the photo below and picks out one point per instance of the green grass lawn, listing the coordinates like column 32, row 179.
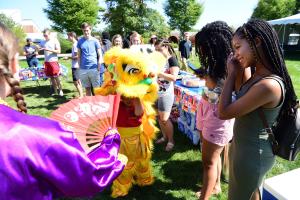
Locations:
column 179, row 173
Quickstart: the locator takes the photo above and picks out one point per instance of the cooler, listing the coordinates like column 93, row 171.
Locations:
column 285, row 186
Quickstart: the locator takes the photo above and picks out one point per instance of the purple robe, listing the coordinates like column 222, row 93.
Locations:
column 40, row 160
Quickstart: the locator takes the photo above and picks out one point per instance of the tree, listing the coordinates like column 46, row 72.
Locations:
column 65, row 45
column 124, row 16
column 297, row 10
column 69, row 15
column 15, row 28
column 154, row 23
column 183, row 14
column 274, row 9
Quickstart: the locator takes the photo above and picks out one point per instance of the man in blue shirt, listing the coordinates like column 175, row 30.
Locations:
column 89, row 59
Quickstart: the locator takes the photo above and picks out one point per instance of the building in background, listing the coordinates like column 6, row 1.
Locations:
column 29, row 27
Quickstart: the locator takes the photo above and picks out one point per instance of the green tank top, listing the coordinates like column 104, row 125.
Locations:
column 250, row 126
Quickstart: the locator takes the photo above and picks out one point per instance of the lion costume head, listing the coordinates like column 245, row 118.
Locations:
column 132, row 73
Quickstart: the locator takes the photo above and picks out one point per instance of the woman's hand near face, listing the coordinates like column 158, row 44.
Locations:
column 233, row 66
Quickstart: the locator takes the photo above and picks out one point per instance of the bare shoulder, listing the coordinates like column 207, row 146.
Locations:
column 269, row 89
column 269, row 85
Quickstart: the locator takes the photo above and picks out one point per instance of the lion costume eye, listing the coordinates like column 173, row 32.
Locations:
column 130, row 69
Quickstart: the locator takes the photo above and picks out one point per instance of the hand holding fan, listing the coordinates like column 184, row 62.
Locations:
column 90, row 118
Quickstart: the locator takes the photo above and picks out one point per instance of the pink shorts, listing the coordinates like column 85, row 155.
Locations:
column 213, row 129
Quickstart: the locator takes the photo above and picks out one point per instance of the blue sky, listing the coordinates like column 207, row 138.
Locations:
column 234, row 12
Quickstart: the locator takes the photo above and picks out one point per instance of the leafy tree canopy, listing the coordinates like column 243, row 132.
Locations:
column 297, row 9
column 15, row 28
column 124, row 16
column 183, row 14
column 68, row 15
column 274, row 9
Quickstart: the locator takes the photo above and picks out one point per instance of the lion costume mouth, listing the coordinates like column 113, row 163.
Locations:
column 148, row 92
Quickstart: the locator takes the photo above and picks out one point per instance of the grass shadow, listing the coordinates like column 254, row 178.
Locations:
column 43, row 99
column 158, row 190
column 182, row 145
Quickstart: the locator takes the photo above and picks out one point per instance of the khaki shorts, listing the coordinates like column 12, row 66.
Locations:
column 89, row 77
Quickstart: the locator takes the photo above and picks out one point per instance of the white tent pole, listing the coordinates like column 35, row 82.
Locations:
column 283, row 37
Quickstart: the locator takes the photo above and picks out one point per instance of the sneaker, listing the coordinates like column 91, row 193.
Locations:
column 61, row 93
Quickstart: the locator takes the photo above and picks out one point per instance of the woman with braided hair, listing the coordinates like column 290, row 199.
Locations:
column 269, row 90
column 38, row 158
column 213, row 45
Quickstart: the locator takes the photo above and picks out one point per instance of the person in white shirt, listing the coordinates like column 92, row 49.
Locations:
column 75, row 66
column 51, row 48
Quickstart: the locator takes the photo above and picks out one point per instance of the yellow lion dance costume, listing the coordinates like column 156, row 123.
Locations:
column 133, row 74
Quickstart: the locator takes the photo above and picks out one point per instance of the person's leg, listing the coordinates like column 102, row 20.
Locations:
column 77, row 82
column 94, row 78
column 166, row 128
column 225, row 164
column 163, row 138
column 78, row 87
column 161, row 125
column 164, row 106
column 184, row 63
column 219, row 170
column 123, row 183
column 210, row 158
column 31, row 62
column 53, row 71
column 34, row 62
column 84, row 78
column 57, row 81
column 102, row 70
column 53, row 83
column 101, row 78
column 28, row 62
column 130, row 148
column 143, row 171
column 88, row 91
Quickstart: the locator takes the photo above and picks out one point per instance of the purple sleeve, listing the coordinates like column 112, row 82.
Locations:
column 44, row 159
column 74, row 174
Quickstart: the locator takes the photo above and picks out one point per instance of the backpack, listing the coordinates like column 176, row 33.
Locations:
column 284, row 135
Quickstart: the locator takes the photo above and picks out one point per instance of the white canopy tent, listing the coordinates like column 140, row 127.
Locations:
column 294, row 19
